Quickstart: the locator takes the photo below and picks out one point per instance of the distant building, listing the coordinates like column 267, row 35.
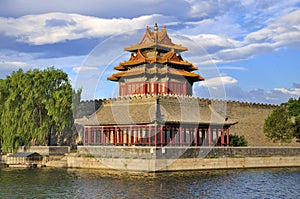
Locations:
column 155, row 106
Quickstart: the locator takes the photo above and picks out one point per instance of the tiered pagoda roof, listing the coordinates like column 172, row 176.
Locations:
column 156, row 47
column 156, row 40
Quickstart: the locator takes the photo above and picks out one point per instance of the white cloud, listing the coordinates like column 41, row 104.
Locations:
column 211, row 42
column 6, row 67
column 256, row 28
column 281, row 32
column 285, row 31
column 9, row 64
column 58, row 27
column 85, row 68
column 291, row 91
column 13, row 60
column 231, row 68
column 245, row 52
column 218, row 81
column 236, row 93
column 212, row 67
column 208, row 8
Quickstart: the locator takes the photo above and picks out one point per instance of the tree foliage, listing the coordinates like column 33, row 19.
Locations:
column 297, row 128
column 293, row 106
column 34, row 106
column 279, row 127
column 236, row 140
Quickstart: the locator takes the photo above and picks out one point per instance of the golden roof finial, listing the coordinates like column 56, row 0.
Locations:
column 155, row 27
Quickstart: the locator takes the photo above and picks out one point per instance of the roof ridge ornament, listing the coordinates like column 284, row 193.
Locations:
column 155, row 27
column 155, row 33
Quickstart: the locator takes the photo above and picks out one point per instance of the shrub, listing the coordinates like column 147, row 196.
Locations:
column 236, row 140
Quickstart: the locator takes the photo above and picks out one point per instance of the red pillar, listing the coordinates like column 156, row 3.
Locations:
column 95, row 134
column 203, row 137
column 84, row 135
column 145, row 88
column 196, row 136
column 89, row 135
column 105, row 136
column 209, row 137
column 109, row 136
column 149, row 135
column 130, row 136
column 140, row 135
column 188, row 136
column 222, row 137
column 217, row 136
column 122, row 132
column 180, row 136
column 101, row 135
column 117, row 132
column 113, row 135
column 155, row 136
column 161, row 136
column 170, row 136
column 227, row 134
column 136, row 136
column 120, row 136
column 126, row 136
column 155, row 87
column 175, row 135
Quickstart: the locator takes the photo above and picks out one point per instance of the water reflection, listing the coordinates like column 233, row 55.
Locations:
column 80, row 183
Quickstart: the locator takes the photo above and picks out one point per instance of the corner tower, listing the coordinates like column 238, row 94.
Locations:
column 155, row 67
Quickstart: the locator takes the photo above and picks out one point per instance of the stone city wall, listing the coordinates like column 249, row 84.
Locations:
column 251, row 118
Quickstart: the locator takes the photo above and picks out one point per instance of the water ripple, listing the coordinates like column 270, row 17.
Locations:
column 72, row 183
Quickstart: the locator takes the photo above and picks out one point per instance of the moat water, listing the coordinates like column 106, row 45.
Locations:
column 81, row 183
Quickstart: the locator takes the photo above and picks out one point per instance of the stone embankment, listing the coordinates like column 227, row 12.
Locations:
column 149, row 159
column 158, row 159
column 159, row 165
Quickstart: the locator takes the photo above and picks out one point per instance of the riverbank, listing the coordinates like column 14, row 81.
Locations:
column 160, row 159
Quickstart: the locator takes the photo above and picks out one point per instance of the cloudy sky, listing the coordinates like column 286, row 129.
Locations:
column 248, row 50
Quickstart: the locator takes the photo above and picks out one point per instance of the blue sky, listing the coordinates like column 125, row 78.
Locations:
column 248, row 50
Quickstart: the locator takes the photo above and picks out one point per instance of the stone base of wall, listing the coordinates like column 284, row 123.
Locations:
column 154, row 159
column 151, row 165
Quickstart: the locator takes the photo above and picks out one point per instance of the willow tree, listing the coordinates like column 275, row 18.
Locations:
column 3, row 97
column 37, row 104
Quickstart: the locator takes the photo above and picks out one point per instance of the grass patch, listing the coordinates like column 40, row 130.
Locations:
column 89, row 156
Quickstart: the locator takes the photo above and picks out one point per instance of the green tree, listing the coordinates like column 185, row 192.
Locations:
column 297, row 128
column 279, row 127
column 293, row 106
column 35, row 106
column 3, row 97
column 236, row 140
